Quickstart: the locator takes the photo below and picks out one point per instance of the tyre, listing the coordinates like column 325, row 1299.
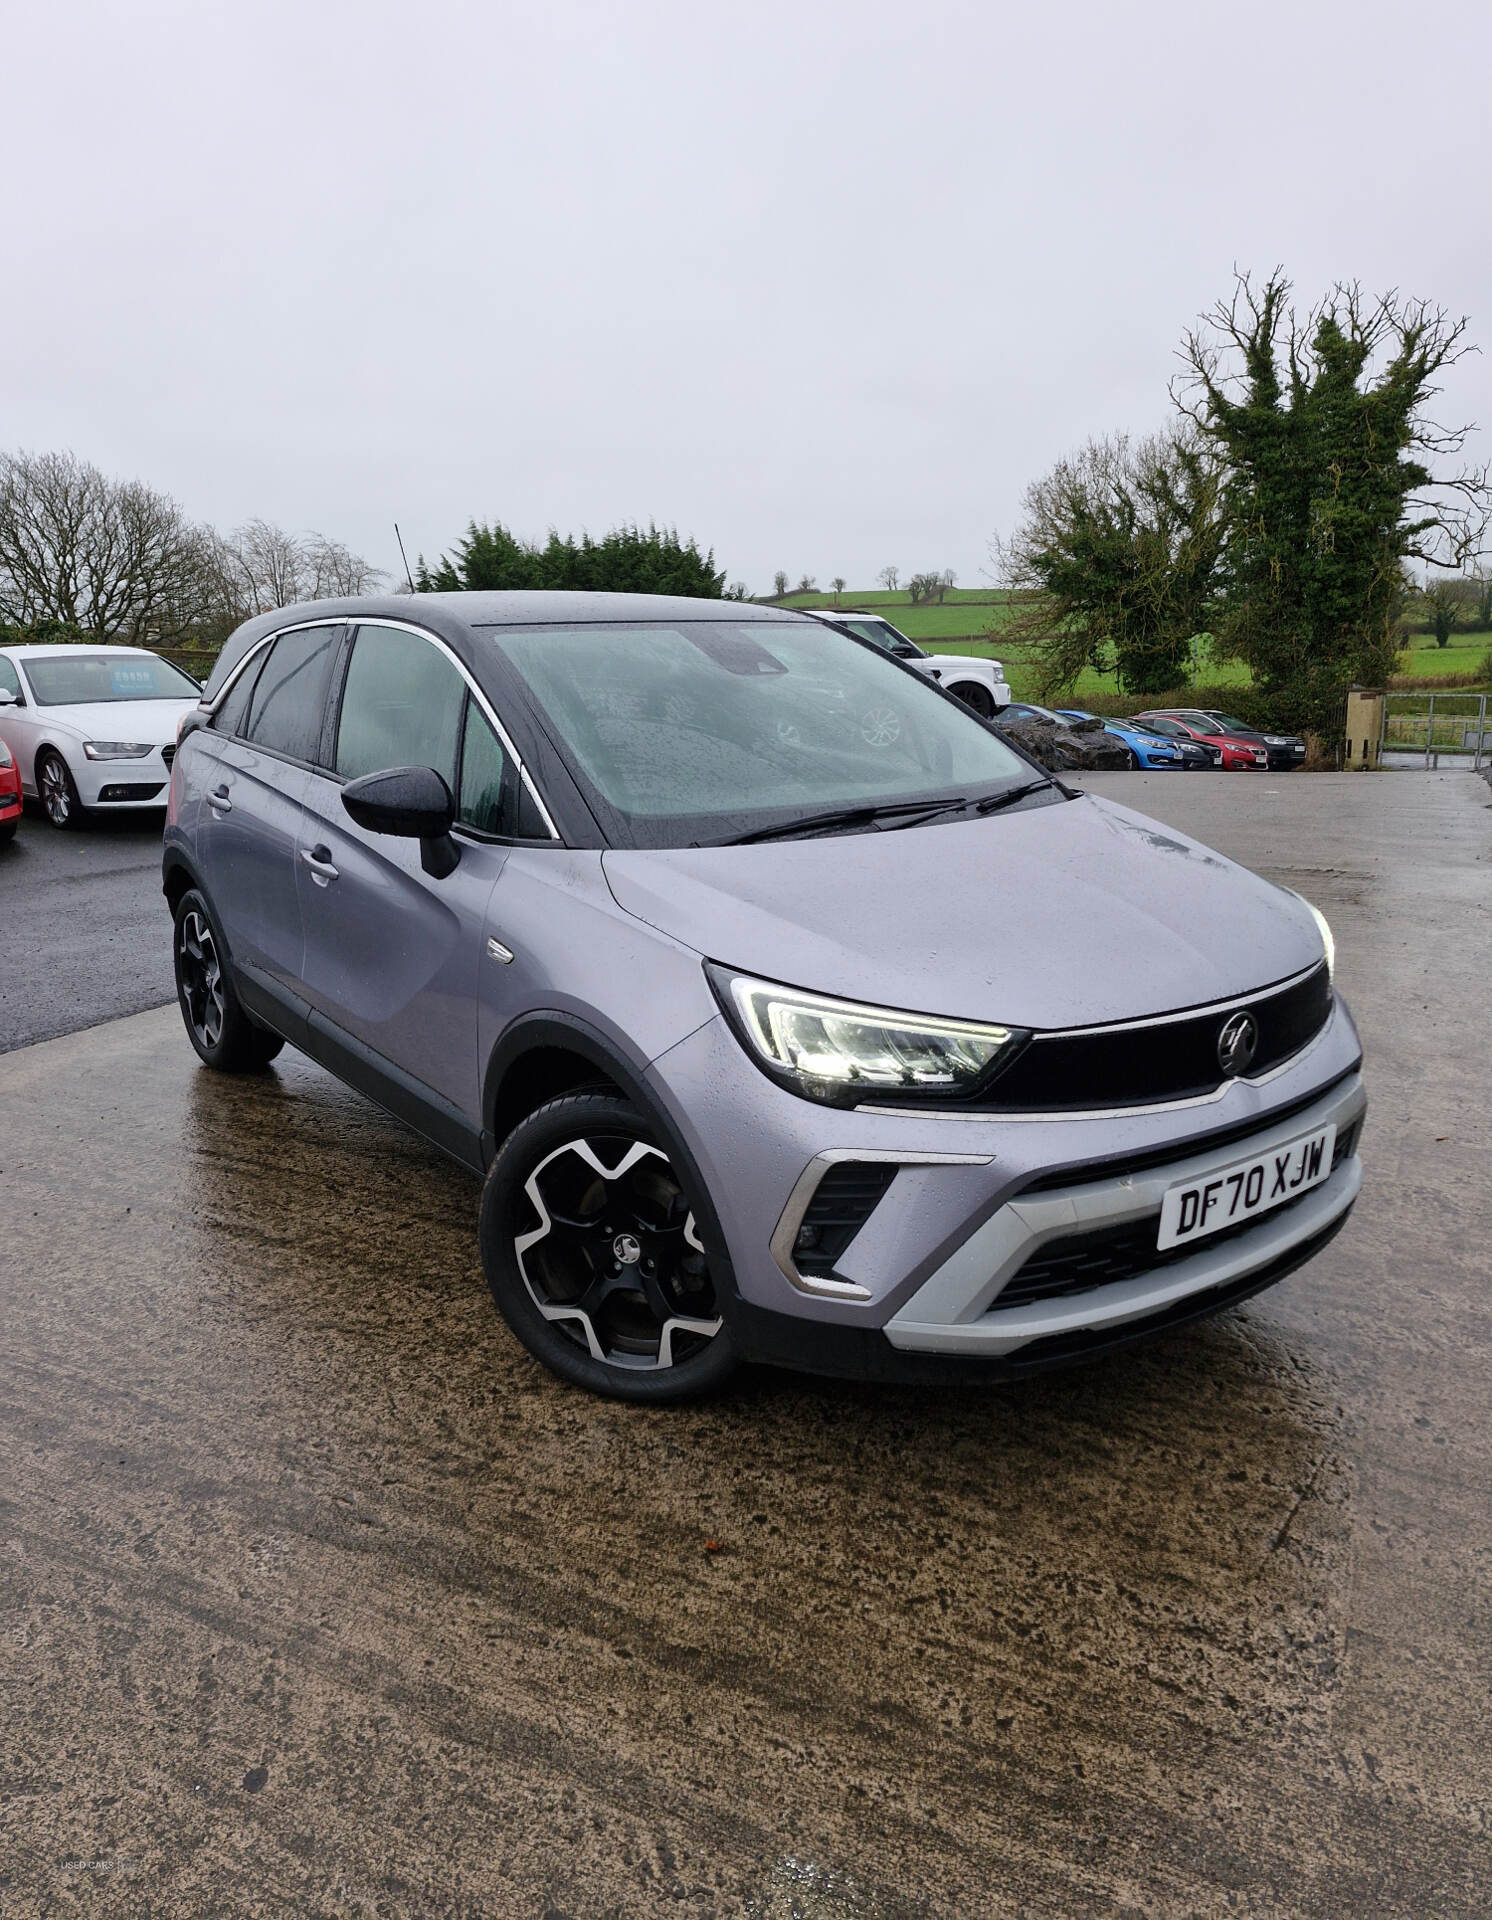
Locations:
column 58, row 792
column 1134, row 760
column 591, row 1250
column 979, row 698
column 225, row 1037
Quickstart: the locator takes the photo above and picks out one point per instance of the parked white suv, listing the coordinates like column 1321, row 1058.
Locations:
column 979, row 683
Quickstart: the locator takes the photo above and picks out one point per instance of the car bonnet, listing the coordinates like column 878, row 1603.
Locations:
column 1052, row 916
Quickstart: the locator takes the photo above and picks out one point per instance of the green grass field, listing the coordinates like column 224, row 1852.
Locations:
column 969, row 620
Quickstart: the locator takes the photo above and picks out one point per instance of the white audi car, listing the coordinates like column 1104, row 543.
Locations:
column 979, row 683
column 92, row 726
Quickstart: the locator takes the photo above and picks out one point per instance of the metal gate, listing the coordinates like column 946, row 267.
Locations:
column 1425, row 728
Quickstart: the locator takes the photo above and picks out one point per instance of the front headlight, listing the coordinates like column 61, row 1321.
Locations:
column 116, row 749
column 1323, row 927
column 5, row 756
column 842, row 1053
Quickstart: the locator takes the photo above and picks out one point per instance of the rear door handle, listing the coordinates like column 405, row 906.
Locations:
column 219, row 802
column 319, row 860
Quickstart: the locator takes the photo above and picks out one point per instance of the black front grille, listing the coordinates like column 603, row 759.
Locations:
column 1082, row 1261
column 842, row 1203
column 1159, row 1060
column 168, row 753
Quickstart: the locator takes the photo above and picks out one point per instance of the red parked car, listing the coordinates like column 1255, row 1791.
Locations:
column 1237, row 754
column 10, row 794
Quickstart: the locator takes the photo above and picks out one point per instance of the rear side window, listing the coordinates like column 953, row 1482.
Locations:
column 285, row 712
column 401, row 706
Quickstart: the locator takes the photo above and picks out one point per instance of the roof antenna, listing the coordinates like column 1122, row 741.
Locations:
column 404, row 556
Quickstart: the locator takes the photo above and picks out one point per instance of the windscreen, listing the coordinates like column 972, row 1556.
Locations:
column 700, row 731
column 86, row 679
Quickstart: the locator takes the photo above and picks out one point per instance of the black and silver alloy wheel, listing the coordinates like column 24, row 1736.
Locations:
column 200, row 974
column 59, row 796
column 593, row 1254
column 217, row 1026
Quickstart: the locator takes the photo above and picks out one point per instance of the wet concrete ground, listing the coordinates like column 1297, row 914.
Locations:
column 318, row 1596
column 84, row 935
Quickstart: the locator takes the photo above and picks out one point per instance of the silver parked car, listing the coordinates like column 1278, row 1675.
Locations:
column 788, row 1012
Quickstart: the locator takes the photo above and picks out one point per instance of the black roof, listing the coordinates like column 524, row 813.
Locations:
column 454, row 616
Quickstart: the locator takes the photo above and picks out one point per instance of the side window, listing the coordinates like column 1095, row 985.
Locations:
column 10, row 680
column 483, row 766
column 229, row 717
column 401, row 706
column 285, row 713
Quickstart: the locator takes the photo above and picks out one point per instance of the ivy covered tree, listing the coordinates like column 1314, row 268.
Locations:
column 1118, row 550
column 627, row 560
column 1319, row 426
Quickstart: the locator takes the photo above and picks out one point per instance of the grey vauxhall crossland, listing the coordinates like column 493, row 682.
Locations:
column 788, row 1012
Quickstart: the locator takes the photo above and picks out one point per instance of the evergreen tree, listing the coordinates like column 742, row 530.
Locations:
column 1319, row 425
column 627, row 560
column 1118, row 548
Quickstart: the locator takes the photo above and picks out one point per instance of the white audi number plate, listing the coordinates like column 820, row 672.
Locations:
column 1249, row 1187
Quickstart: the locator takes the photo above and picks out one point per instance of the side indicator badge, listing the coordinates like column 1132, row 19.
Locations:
column 497, row 951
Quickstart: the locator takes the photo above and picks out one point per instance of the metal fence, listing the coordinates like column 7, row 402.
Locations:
column 1438, row 726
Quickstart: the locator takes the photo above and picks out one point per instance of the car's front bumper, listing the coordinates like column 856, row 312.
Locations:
column 117, row 785
column 975, row 1195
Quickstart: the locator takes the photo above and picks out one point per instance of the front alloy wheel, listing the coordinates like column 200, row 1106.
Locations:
column 59, row 796
column 593, row 1254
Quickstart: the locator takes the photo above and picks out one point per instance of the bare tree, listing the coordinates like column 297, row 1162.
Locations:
column 806, row 584
column 273, row 568
column 945, row 581
column 838, row 586
column 779, row 584
column 888, row 577
column 113, row 559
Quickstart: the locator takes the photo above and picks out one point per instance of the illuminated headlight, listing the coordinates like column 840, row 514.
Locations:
column 1323, row 927
column 116, row 750
column 841, row 1052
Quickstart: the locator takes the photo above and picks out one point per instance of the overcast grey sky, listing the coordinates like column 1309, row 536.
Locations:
column 824, row 284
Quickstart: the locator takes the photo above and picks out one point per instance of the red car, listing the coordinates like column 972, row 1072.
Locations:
column 10, row 794
column 1237, row 755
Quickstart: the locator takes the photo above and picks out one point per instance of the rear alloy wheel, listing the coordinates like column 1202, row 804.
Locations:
column 59, row 794
column 976, row 697
column 217, row 1026
column 592, row 1251
column 1134, row 760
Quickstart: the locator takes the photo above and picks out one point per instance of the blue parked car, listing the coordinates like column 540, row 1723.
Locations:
column 1147, row 750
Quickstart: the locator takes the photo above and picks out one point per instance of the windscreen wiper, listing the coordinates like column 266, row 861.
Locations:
column 840, row 817
column 991, row 803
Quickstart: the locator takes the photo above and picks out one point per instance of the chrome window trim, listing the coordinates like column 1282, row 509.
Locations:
column 806, row 1186
column 405, row 626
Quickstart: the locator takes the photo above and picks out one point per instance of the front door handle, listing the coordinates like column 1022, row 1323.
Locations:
column 319, row 860
column 219, row 802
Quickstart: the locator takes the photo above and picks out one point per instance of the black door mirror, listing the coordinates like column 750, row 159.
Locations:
column 412, row 803
column 905, row 651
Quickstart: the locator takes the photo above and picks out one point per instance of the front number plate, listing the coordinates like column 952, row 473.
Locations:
column 1247, row 1188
